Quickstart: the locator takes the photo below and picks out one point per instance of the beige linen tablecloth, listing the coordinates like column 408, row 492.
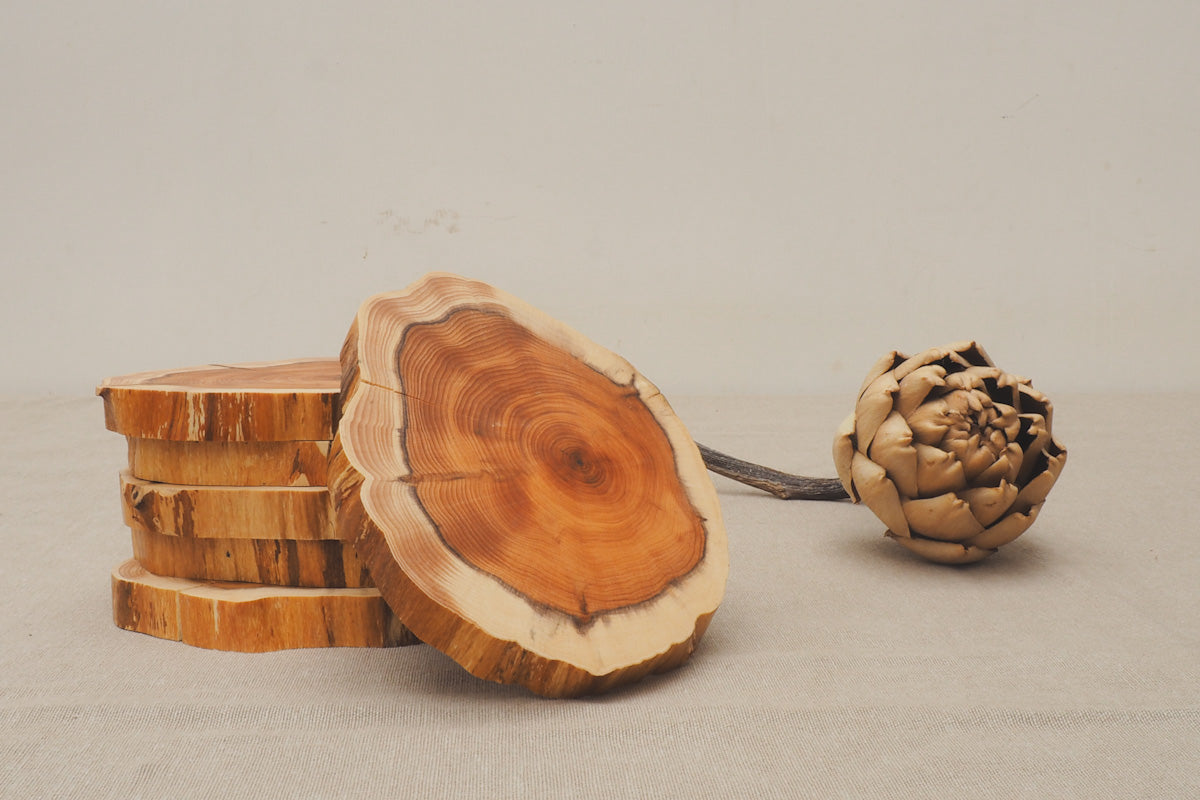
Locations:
column 838, row 665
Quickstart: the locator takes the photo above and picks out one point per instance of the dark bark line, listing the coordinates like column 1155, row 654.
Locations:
column 781, row 484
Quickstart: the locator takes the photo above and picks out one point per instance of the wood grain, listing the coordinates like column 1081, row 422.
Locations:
column 249, row 618
column 525, row 500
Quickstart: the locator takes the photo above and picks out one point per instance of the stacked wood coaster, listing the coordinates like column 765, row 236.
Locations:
column 225, row 497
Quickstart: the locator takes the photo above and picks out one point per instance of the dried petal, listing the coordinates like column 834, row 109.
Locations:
column 878, row 493
column 1033, row 439
column 960, row 356
column 893, row 450
column 993, row 475
column 976, row 459
column 956, row 362
column 996, row 383
column 989, row 503
column 873, row 407
column 1003, row 388
column 1007, row 529
column 1003, row 469
column 1034, row 402
column 884, row 364
column 937, row 471
column 930, row 422
column 957, row 441
column 988, row 374
column 916, row 386
column 972, row 353
column 913, row 363
column 966, row 380
column 959, row 403
column 1016, row 457
column 843, row 454
column 1007, row 421
column 944, row 552
column 944, row 517
column 1050, row 466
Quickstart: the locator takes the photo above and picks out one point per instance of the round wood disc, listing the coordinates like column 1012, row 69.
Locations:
column 250, row 618
column 265, row 401
column 281, row 562
column 296, row 463
column 227, row 512
column 526, row 501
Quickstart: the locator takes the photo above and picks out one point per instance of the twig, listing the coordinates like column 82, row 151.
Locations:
column 781, row 484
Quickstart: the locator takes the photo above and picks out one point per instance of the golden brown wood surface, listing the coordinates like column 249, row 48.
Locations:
column 229, row 463
column 251, row 618
column 227, row 512
column 267, row 401
column 526, row 501
column 282, row 562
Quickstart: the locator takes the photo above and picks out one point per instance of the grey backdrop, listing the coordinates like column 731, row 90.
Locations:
column 738, row 197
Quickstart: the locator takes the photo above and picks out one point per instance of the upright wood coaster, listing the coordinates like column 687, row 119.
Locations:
column 525, row 500
column 250, row 618
column 226, row 403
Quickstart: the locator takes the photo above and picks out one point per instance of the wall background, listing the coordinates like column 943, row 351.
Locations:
column 738, row 197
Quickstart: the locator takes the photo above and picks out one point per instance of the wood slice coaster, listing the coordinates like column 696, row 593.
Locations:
column 281, row 562
column 268, row 401
column 249, row 618
column 525, row 500
column 229, row 463
column 227, row 512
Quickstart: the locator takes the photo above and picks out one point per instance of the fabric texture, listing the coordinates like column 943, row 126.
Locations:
column 839, row 665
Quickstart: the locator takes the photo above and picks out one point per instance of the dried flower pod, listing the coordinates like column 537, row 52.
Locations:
column 954, row 455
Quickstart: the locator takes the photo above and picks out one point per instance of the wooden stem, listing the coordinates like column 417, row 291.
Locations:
column 781, row 484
